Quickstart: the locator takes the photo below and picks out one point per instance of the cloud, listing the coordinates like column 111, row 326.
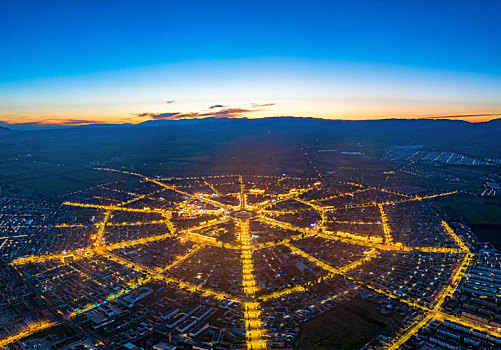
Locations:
column 463, row 116
column 71, row 122
column 178, row 116
column 222, row 113
column 158, row 115
column 228, row 113
column 49, row 123
column 256, row 105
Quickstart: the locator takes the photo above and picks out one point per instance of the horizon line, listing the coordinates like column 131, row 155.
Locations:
column 39, row 125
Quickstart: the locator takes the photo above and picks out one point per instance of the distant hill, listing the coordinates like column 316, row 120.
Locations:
column 482, row 139
column 62, row 159
column 453, row 135
column 4, row 130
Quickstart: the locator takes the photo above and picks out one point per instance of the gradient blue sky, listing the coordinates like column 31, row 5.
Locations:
column 74, row 62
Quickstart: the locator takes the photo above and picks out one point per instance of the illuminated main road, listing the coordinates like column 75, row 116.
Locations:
column 264, row 212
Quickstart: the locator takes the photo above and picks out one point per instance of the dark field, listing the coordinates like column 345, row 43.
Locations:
column 483, row 215
column 349, row 326
column 61, row 160
column 58, row 161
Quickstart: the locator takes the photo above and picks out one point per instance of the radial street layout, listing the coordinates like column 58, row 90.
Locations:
column 266, row 212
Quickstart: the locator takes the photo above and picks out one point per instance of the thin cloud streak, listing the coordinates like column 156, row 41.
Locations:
column 156, row 116
column 464, row 116
column 256, row 105
column 50, row 123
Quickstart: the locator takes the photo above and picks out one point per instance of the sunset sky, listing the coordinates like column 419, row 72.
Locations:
column 80, row 62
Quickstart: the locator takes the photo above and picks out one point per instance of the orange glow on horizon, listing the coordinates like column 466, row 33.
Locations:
column 34, row 121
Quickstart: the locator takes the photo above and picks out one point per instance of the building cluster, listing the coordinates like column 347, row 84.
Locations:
column 23, row 216
column 413, row 153
column 452, row 335
column 418, row 224
column 74, row 285
column 163, row 317
column 417, row 277
column 478, row 297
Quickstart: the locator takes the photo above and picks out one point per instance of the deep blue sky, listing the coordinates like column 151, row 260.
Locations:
column 53, row 39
